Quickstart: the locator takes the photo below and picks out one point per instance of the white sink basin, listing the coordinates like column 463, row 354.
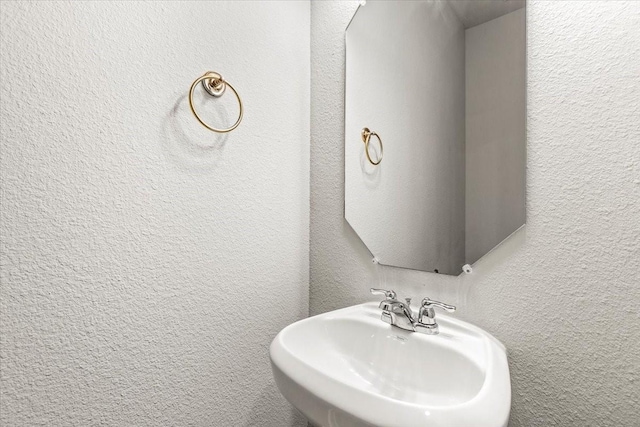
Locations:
column 347, row 368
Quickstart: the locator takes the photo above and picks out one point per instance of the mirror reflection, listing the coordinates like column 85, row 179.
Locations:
column 435, row 129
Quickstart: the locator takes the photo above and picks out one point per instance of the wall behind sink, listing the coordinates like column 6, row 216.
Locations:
column 563, row 295
column 146, row 262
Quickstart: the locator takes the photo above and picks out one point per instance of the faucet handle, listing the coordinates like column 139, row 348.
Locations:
column 429, row 303
column 387, row 294
column 426, row 323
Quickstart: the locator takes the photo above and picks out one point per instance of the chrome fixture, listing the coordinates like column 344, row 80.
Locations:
column 426, row 323
column 400, row 314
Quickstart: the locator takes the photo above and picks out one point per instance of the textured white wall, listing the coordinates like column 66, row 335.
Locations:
column 146, row 262
column 564, row 297
column 391, row 206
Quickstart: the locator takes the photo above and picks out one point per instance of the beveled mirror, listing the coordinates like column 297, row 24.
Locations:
column 435, row 129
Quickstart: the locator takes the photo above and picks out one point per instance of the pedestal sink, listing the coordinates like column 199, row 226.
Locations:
column 347, row 368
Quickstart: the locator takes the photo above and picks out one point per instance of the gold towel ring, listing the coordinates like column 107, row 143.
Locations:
column 366, row 138
column 215, row 85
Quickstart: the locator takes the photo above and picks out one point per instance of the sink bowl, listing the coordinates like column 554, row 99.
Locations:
column 347, row 368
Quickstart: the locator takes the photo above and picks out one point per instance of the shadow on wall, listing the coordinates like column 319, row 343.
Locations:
column 186, row 143
column 371, row 173
column 262, row 413
column 457, row 290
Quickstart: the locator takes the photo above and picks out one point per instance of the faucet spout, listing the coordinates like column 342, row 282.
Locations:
column 400, row 314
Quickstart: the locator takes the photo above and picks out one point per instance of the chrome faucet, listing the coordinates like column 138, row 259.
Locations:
column 394, row 312
column 399, row 314
column 427, row 316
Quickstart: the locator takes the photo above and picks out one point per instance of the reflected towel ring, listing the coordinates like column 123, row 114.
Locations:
column 215, row 85
column 366, row 138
